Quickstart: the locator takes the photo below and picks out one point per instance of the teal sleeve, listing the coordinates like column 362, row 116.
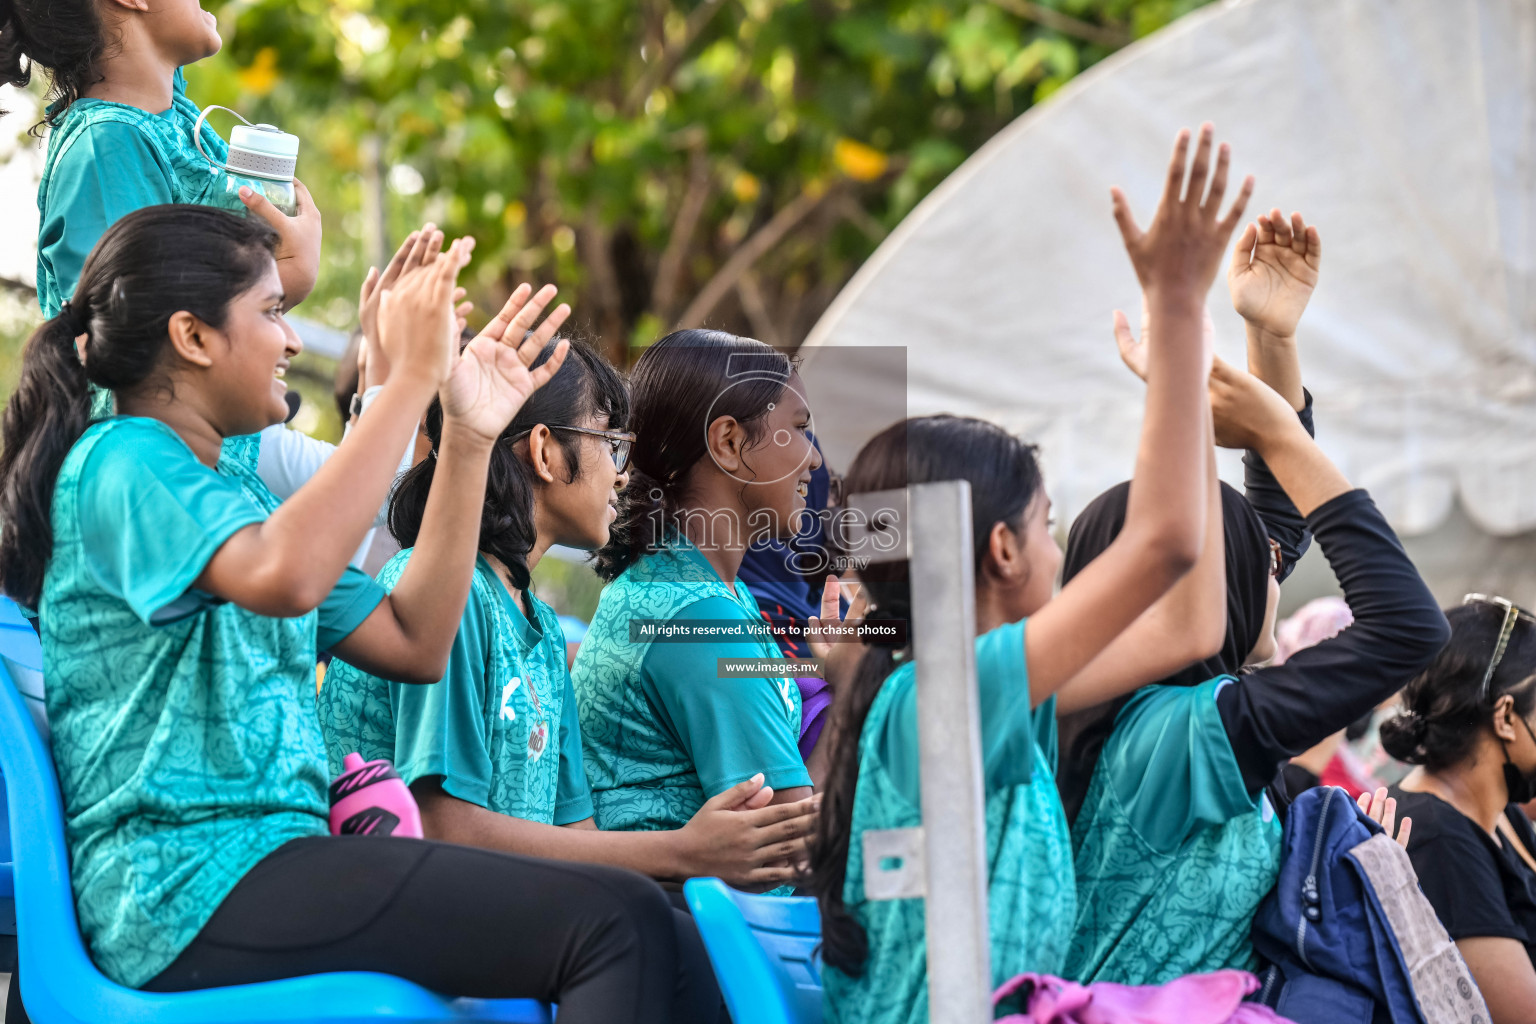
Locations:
column 110, row 169
column 351, row 600
column 731, row 728
column 1172, row 766
column 441, row 729
column 1009, row 730
column 573, row 797
column 152, row 517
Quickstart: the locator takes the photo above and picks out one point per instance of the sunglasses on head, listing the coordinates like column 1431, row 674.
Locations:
column 620, row 442
column 1513, row 613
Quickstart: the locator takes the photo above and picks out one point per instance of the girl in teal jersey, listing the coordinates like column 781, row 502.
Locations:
column 181, row 608
column 1100, row 636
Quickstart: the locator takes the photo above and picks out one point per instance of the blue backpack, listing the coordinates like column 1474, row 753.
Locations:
column 1333, row 953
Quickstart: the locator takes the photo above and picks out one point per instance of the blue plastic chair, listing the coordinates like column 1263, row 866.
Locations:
column 764, row 949
column 59, row 982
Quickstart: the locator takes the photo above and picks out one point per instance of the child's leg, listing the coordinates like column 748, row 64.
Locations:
column 460, row 921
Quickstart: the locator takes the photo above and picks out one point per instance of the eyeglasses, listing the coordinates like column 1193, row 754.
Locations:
column 1513, row 613
column 1275, row 562
column 619, row 441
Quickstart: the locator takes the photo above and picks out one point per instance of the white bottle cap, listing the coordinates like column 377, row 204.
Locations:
column 262, row 151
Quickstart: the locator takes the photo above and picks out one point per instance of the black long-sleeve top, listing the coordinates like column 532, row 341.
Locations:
column 1282, row 520
column 1275, row 713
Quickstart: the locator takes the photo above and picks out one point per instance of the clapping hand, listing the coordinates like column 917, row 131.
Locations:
column 1274, row 270
column 839, row 655
column 494, row 375
column 419, row 248
column 418, row 331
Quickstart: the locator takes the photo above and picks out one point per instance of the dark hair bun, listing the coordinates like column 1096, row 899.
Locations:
column 1403, row 737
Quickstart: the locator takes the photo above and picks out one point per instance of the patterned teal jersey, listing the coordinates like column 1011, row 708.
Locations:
column 500, row 728
column 104, row 161
column 184, row 728
column 1031, row 898
column 1173, row 853
column 663, row 732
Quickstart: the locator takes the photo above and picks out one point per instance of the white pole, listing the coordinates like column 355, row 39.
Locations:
column 933, row 522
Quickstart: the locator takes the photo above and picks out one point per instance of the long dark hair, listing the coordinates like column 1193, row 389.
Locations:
column 1005, row 478
column 1084, row 733
column 678, row 387
column 585, row 386
column 1444, row 710
column 150, row 265
column 64, row 36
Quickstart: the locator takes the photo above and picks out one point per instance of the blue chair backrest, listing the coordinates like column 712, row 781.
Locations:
column 61, row 984
column 764, row 949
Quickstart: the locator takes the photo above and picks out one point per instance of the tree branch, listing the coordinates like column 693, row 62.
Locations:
column 752, row 250
column 661, row 72
column 1087, row 31
column 669, row 271
column 756, row 308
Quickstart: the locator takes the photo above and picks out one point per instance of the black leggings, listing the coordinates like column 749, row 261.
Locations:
column 604, row 943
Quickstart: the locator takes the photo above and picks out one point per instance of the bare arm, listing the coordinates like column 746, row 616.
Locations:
column 409, row 635
column 732, row 837
column 1165, row 516
column 1186, row 625
column 1503, row 971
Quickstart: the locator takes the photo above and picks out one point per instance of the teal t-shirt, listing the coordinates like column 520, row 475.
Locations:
column 104, row 161
column 1031, row 897
column 500, row 727
column 184, row 728
column 1173, row 852
column 662, row 732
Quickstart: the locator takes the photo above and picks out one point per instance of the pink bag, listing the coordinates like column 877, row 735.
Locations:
column 1215, row 998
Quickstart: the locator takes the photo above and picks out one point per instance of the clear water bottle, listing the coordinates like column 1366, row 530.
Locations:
column 260, row 156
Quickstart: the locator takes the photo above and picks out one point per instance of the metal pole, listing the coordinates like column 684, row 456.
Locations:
column 944, row 860
column 949, row 741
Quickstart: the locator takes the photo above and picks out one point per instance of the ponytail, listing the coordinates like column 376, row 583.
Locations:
column 45, row 416
column 150, row 265
column 844, row 943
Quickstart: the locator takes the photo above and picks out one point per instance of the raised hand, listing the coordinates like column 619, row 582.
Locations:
column 1246, row 412
column 493, row 376
column 1273, row 272
column 417, row 324
column 1133, row 350
column 839, row 655
column 1382, row 809
column 298, row 240
column 419, row 248
column 1182, row 247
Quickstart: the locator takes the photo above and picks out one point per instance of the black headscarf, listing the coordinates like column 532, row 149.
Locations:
column 1082, row 733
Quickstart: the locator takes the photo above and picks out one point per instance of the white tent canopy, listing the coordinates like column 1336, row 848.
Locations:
column 1405, row 129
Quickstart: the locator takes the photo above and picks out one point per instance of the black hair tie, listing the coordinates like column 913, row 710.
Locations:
column 75, row 319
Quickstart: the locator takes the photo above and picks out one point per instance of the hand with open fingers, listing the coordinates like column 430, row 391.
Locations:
column 411, row 254
column 493, row 376
column 1274, row 270
column 1133, row 350
column 751, row 847
column 1245, row 411
column 1182, row 247
column 829, row 637
column 417, row 328
column 298, row 240
column 1382, row 809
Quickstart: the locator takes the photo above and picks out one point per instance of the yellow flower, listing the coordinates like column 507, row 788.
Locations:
column 746, row 188
column 514, row 214
column 260, row 78
column 858, row 161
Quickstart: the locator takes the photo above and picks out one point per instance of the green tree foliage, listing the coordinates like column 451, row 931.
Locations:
column 728, row 162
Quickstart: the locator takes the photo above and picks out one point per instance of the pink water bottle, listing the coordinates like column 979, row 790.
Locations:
column 369, row 798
